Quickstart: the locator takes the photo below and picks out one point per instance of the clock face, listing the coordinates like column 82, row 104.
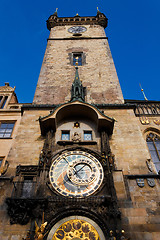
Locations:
column 76, row 174
column 77, row 29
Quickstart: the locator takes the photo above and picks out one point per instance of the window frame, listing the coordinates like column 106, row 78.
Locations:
column 3, row 101
column 83, row 58
column 87, row 132
column 6, row 128
column 155, row 152
column 65, row 132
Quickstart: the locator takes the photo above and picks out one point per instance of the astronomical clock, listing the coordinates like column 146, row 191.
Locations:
column 76, row 174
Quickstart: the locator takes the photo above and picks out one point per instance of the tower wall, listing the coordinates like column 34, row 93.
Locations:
column 98, row 73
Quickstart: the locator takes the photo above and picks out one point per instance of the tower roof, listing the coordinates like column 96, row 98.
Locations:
column 99, row 19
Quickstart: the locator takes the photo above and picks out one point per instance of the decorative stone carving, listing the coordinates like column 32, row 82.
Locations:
column 76, row 137
column 151, row 182
column 148, row 162
column 4, row 168
column 21, row 210
column 45, row 155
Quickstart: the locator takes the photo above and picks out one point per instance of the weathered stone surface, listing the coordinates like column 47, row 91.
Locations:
column 98, row 74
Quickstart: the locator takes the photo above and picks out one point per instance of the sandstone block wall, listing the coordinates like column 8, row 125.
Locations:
column 98, row 74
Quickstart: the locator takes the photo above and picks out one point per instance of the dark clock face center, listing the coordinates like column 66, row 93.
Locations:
column 82, row 171
column 77, row 29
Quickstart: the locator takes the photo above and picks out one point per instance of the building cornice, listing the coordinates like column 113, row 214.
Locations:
column 99, row 19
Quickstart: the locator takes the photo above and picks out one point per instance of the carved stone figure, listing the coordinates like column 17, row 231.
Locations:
column 76, row 137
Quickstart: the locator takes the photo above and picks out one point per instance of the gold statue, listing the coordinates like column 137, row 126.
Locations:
column 111, row 236
column 39, row 231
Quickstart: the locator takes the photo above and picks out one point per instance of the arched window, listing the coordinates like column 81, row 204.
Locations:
column 153, row 142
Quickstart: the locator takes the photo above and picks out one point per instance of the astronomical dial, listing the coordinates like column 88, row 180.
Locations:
column 77, row 29
column 76, row 174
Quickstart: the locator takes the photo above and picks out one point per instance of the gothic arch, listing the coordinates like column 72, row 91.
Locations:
column 151, row 129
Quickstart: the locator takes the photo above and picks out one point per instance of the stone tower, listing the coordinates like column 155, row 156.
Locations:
column 80, row 162
column 82, row 37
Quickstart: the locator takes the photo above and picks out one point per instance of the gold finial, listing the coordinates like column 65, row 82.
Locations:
column 76, row 61
column 97, row 9
column 77, row 14
column 56, row 9
column 143, row 92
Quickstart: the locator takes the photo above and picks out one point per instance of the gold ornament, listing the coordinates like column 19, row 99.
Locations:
column 157, row 122
column 76, row 229
column 39, row 231
column 144, row 120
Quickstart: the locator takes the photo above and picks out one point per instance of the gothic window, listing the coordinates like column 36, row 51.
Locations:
column 153, row 142
column 65, row 135
column 6, row 129
column 87, row 135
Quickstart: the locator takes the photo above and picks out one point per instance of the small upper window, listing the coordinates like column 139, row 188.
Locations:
column 3, row 101
column 87, row 135
column 6, row 129
column 65, row 135
column 77, row 57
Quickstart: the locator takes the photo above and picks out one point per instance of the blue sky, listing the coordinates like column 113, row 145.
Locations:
column 133, row 32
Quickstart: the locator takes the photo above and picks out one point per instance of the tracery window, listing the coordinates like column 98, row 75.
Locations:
column 153, row 142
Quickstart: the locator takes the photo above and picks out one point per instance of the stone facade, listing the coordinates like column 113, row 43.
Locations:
column 98, row 74
column 104, row 127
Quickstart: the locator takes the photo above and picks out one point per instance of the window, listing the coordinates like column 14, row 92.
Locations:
column 77, row 57
column 6, row 129
column 153, row 142
column 65, row 135
column 87, row 135
column 1, row 159
column 4, row 100
column 27, row 187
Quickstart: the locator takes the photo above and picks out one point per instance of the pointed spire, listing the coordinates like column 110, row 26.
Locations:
column 55, row 13
column 77, row 91
column 98, row 10
column 143, row 93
